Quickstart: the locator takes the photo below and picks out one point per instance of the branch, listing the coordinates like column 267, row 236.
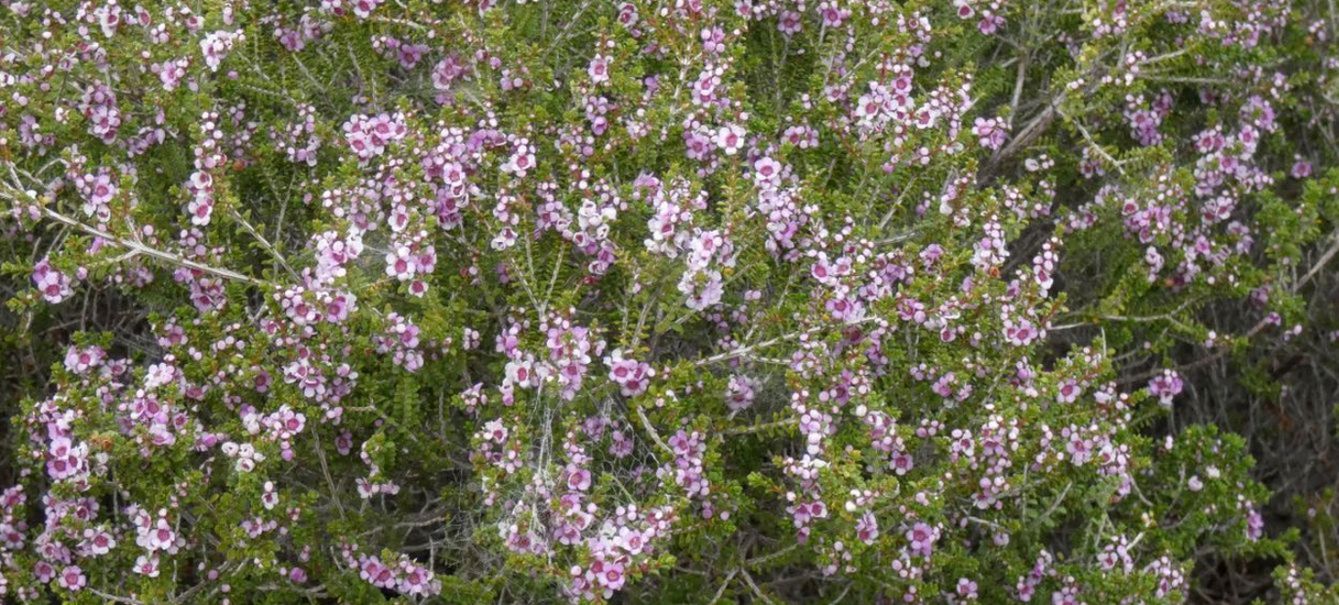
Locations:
column 758, row 428
column 721, row 591
column 1320, row 264
column 758, row 591
column 264, row 243
column 136, row 246
column 1256, row 329
column 655, row 436
column 1093, row 143
column 745, row 350
column 114, row 598
column 154, row 252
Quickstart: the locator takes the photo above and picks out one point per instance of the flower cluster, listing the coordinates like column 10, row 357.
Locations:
column 402, row 575
column 368, row 136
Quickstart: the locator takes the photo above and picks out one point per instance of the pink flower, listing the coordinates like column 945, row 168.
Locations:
column 171, row 73
column 161, row 537
column 966, row 588
column 53, row 285
column 1069, row 392
column 1255, row 524
column 991, row 132
column 44, row 571
column 703, row 288
column 446, row 72
column 632, row 376
column 401, row 263
column 1166, row 386
column 599, row 69
column 867, row 528
column 1019, row 333
column 608, row 574
column 739, row 392
column 922, row 537
column 524, row 373
column 101, row 189
column 522, row 160
column 766, row 170
column 97, row 543
column 368, row 136
column 730, row 138
column 147, row 565
column 578, row 479
column 66, row 460
column 990, row 24
column 631, row 540
column 833, row 14
column 72, row 578
column 80, row 360
column 217, row 45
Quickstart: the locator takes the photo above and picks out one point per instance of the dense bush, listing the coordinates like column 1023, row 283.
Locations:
column 692, row 301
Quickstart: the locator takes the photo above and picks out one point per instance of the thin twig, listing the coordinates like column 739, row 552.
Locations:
column 758, row 591
column 154, row 252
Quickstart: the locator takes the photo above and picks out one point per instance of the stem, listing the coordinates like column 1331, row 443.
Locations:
column 141, row 248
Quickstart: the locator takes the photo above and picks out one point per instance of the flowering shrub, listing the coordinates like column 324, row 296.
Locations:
column 693, row 301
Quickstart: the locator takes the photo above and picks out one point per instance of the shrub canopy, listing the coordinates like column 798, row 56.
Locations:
column 693, row 301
